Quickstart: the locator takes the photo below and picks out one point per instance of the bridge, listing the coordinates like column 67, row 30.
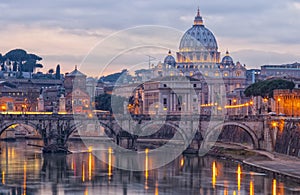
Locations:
column 56, row 129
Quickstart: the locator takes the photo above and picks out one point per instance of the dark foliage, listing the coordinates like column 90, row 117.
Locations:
column 21, row 60
column 104, row 102
column 266, row 88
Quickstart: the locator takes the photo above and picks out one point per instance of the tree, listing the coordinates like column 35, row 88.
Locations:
column 31, row 63
column 265, row 88
column 2, row 62
column 57, row 72
column 50, row 71
column 103, row 102
column 17, row 57
column 22, row 61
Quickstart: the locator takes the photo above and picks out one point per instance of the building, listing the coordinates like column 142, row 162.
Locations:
column 51, row 97
column 172, row 95
column 199, row 60
column 287, row 70
column 287, row 102
column 198, row 49
column 78, row 101
column 74, row 80
column 18, row 98
column 252, row 76
column 77, row 96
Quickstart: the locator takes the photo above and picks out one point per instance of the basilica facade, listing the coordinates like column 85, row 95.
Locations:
column 215, row 81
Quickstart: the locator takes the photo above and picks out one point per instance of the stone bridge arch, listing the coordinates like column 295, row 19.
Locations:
column 219, row 127
column 81, row 124
column 6, row 125
column 187, row 138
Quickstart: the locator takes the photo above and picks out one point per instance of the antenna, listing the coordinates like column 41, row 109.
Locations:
column 150, row 59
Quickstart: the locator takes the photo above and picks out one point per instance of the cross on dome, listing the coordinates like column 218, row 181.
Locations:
column 198, row 19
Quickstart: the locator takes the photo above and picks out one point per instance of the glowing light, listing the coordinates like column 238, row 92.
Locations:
column 13, row 153
column 86, row 191
column 214, row 174
column 274, row 190
column 83, row 172
column 90, row 166
column 234, row 100
column 3, row 177
column 25, row 178
column 182, row 162
column 251, row 103
column 278, row 99
column 239, row 174
column 72, row 164
column 274, row 124
column 225, row 188
column 234, row 192
column 146, row 168
column 237, row 106
column 281, row 188
column 109, row 170
column 251, row 188
column 156, row 188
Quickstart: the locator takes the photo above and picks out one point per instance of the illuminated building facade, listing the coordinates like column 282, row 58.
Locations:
column 287, row 102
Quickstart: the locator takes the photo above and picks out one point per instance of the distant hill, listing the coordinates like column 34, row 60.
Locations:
column 121, row 77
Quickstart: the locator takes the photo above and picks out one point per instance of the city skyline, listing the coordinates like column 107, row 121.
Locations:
column 256, row 33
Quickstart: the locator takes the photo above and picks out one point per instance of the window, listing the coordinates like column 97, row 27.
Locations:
column 179, row 100
column 195, row 85
column 165, row 101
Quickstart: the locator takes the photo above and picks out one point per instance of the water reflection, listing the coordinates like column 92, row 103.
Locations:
column 146, row 168
column 25, row 178
column 214, row 174
column 109, row 170
column 251, row 188
column 274, row 187
column 239, row 177
column 26, row 171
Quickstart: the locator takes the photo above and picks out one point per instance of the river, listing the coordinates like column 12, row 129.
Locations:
column 25, row 171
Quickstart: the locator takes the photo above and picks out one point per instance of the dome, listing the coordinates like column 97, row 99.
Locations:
column 170, row 60
column 198, row 37
column 227, row 60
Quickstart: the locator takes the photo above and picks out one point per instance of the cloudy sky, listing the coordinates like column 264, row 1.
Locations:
column 108, row 35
